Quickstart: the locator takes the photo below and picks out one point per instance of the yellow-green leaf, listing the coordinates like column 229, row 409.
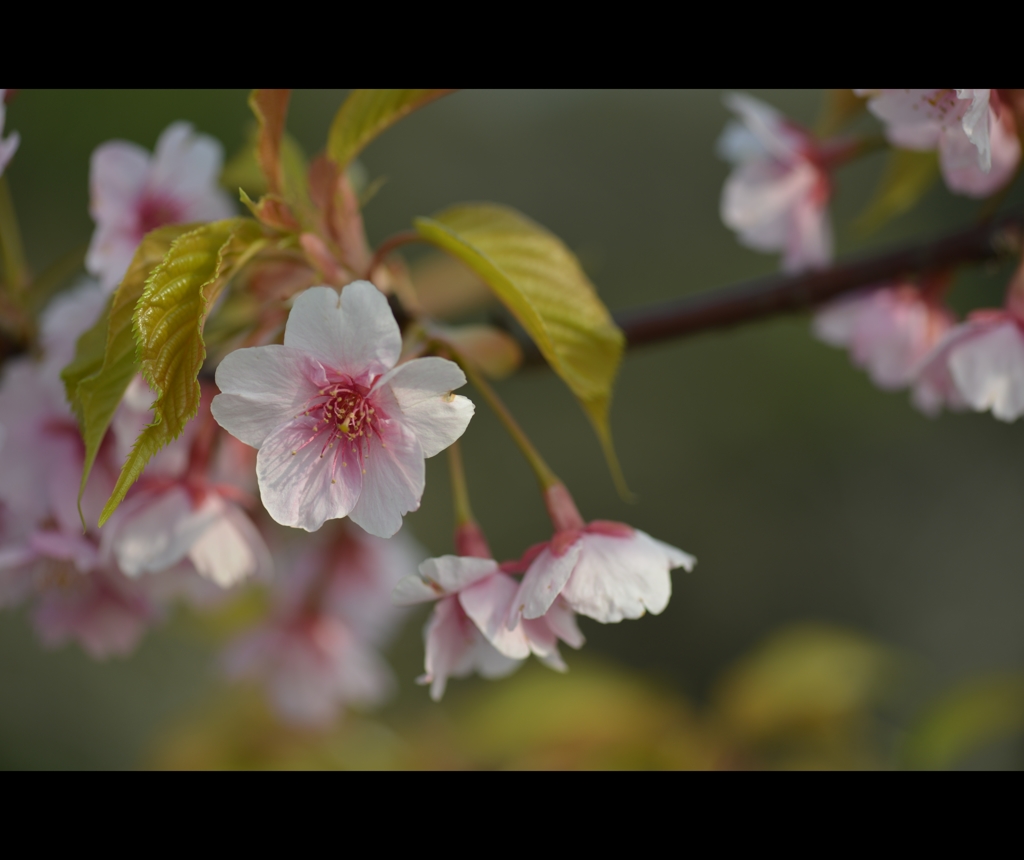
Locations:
column 542, row 283
column 104, row 361
column 168, row 327
column 366, row 113
column 908, row 175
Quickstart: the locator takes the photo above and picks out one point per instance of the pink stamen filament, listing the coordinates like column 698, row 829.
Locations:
column 348, row 418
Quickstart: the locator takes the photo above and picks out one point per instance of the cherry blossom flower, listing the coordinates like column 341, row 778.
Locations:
column 9, row 145
column 776, row 199
column 133, row 193
column 340, row 430
column 888, row 331
column 604, row 570
column 973, row 131
column 467, row 630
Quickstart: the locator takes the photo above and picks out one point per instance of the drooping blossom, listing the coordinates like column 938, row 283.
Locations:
column 467, row 630
column 132, row 193
column 605, row 570
column 776, row 198
column 888, row 331
column 973, row 130
column 183, row 506
column 331, row 609
column 341, row 431
column 8, row 145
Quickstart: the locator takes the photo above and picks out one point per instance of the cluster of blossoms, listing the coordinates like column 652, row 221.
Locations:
column 487, row 621
column 189, row 529
column 901, row 333
column 334, row 422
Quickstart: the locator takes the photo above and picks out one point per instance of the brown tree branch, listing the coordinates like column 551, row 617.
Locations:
column 777, row 294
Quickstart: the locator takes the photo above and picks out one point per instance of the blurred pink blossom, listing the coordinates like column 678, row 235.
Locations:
column 973, row 131
column 777, row 196
column 888, row 331
column 178, row 509
column 604, row 570
column 353, row 574
column 331, row 608
column 41, row 458
column 313, row 665
column 132, row 193
column 340, row 430
column 9, row 145
column 83, row 599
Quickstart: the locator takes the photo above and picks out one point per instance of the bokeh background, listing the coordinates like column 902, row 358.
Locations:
column 861, row 567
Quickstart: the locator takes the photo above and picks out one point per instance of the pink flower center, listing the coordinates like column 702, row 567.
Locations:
column 155, row 211
column 345, row 421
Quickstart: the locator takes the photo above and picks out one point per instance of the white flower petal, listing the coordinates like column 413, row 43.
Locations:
column 159, row 530
column 301, row 484
column 618, row 578
column 543, row 583
column 264, row 387
column 231, row 548
column 393, row 480
column 117, row 175
column 186, row 166
column 423, row 389
column 354, row 333
column 487, row 603
column 452, row 573
column 411, row 590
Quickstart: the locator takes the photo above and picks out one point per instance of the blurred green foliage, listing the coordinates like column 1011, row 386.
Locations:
column 811, row 697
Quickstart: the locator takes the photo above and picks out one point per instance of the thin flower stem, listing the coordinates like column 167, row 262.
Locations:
column 545, row 476
column 460, row 492
column 11, row 247
column 407, row 237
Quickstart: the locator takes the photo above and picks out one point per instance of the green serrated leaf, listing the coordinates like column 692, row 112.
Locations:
column 908, row 175
column 366, row 113
column 168, row 328
column 542, row 283
column 104, row 361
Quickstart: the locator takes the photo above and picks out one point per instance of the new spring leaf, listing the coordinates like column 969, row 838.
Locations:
column 542, row 283
column 168, row 327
